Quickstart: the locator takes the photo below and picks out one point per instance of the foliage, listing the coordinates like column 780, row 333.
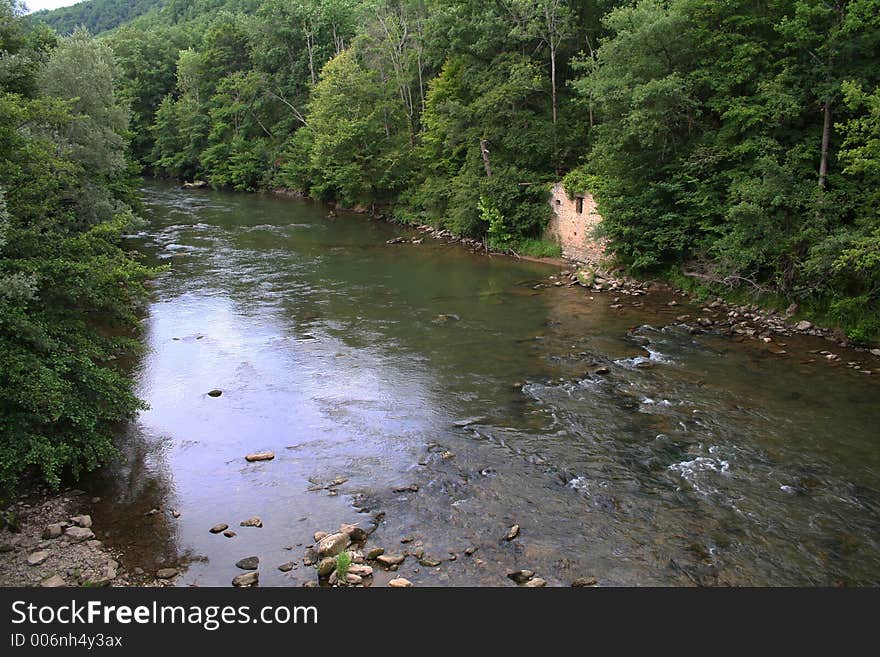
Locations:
column 96, row 15
column 67, row 291
column 343, row 563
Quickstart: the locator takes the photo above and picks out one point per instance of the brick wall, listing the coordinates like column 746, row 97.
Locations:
column 572, row 226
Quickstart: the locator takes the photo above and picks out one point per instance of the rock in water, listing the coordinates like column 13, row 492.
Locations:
column 215, row 393
column 166, row 573
column 326, row 566
column 332, row 545
column 248, row 563
column 248, row 579
column 287, row 567
column 37, row 558
column 399, row 583
column 512, row 533
column 584, row 581
column 803, row 326
column 222, row 527
column 535, row 583
column 259, row 456
column 375, row 553
column 429, row 562
column 389, row 560
column 521, row 576
column 252, row 522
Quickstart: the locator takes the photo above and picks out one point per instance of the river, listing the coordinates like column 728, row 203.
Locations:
column 426, row 366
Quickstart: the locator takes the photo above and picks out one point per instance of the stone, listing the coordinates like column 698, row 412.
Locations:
column 875, row 352
column 259, row 456
column 803, row 326
column 351, row 578
column 230, row 534
column 82, row 521
column 390, row 560
column 311, row 585
column 54, row 582
column 360, row 570
column 55, row 530
column 326, row 566
column 331, row 545
column 287, row 567
column 410, row 488
column 521, row 576
column 471, row 550
column 584, row 581
column 248, row 579
column 79, row 533
column 791, row 311
column 248, row 563
column 36, row 558
column 399, row 583
column 175, row 513
column 215, row 393
column 94, row 544
column 355, row 533
column 535, row 583
column 512, row 533
column 407, row 539
column 319, row 535
column 251, row 522
column 429, row 562
column 310, row 558
column 222, row 527
column 166, row 573
column 375, row 553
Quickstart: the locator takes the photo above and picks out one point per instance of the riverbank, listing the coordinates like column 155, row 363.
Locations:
column 51, row 540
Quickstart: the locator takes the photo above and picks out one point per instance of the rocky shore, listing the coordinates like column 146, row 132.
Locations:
column 49, row 540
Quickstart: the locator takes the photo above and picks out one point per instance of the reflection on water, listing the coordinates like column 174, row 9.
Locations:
column 693, row 460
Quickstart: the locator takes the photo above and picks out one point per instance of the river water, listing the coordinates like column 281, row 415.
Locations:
column 694, row 460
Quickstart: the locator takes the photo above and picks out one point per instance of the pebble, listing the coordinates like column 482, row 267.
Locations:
column 429, row 562
column 230, row 534
column 512, row 533
column 287, row 567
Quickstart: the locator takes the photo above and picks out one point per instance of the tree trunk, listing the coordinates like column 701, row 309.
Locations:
column 826, row 141
column 484, row 149
column 553, row 79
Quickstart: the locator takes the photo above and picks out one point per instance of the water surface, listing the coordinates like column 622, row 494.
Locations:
column 694, row 460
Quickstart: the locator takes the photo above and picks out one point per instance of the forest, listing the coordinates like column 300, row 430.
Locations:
column 733, row 146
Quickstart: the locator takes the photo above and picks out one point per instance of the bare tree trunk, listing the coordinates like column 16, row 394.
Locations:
column 553, row 79
column 310, row 47
column 826, row 141
column 484, row 150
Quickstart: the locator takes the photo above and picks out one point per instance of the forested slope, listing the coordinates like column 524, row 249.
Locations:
column 95, row 15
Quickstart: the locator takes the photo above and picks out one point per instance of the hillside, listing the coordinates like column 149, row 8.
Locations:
column 97, row 15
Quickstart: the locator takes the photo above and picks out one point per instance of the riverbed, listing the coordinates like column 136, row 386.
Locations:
column 626, row 449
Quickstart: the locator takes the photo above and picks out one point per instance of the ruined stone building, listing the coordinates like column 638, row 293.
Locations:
column 573, row 224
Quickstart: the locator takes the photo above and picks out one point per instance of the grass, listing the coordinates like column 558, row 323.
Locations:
column 343, row 563
column 538, row 248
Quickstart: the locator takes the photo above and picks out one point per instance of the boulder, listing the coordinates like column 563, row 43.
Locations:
column 82, row 521
column 79, row 533
column 332, row 545
column 326, row 566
